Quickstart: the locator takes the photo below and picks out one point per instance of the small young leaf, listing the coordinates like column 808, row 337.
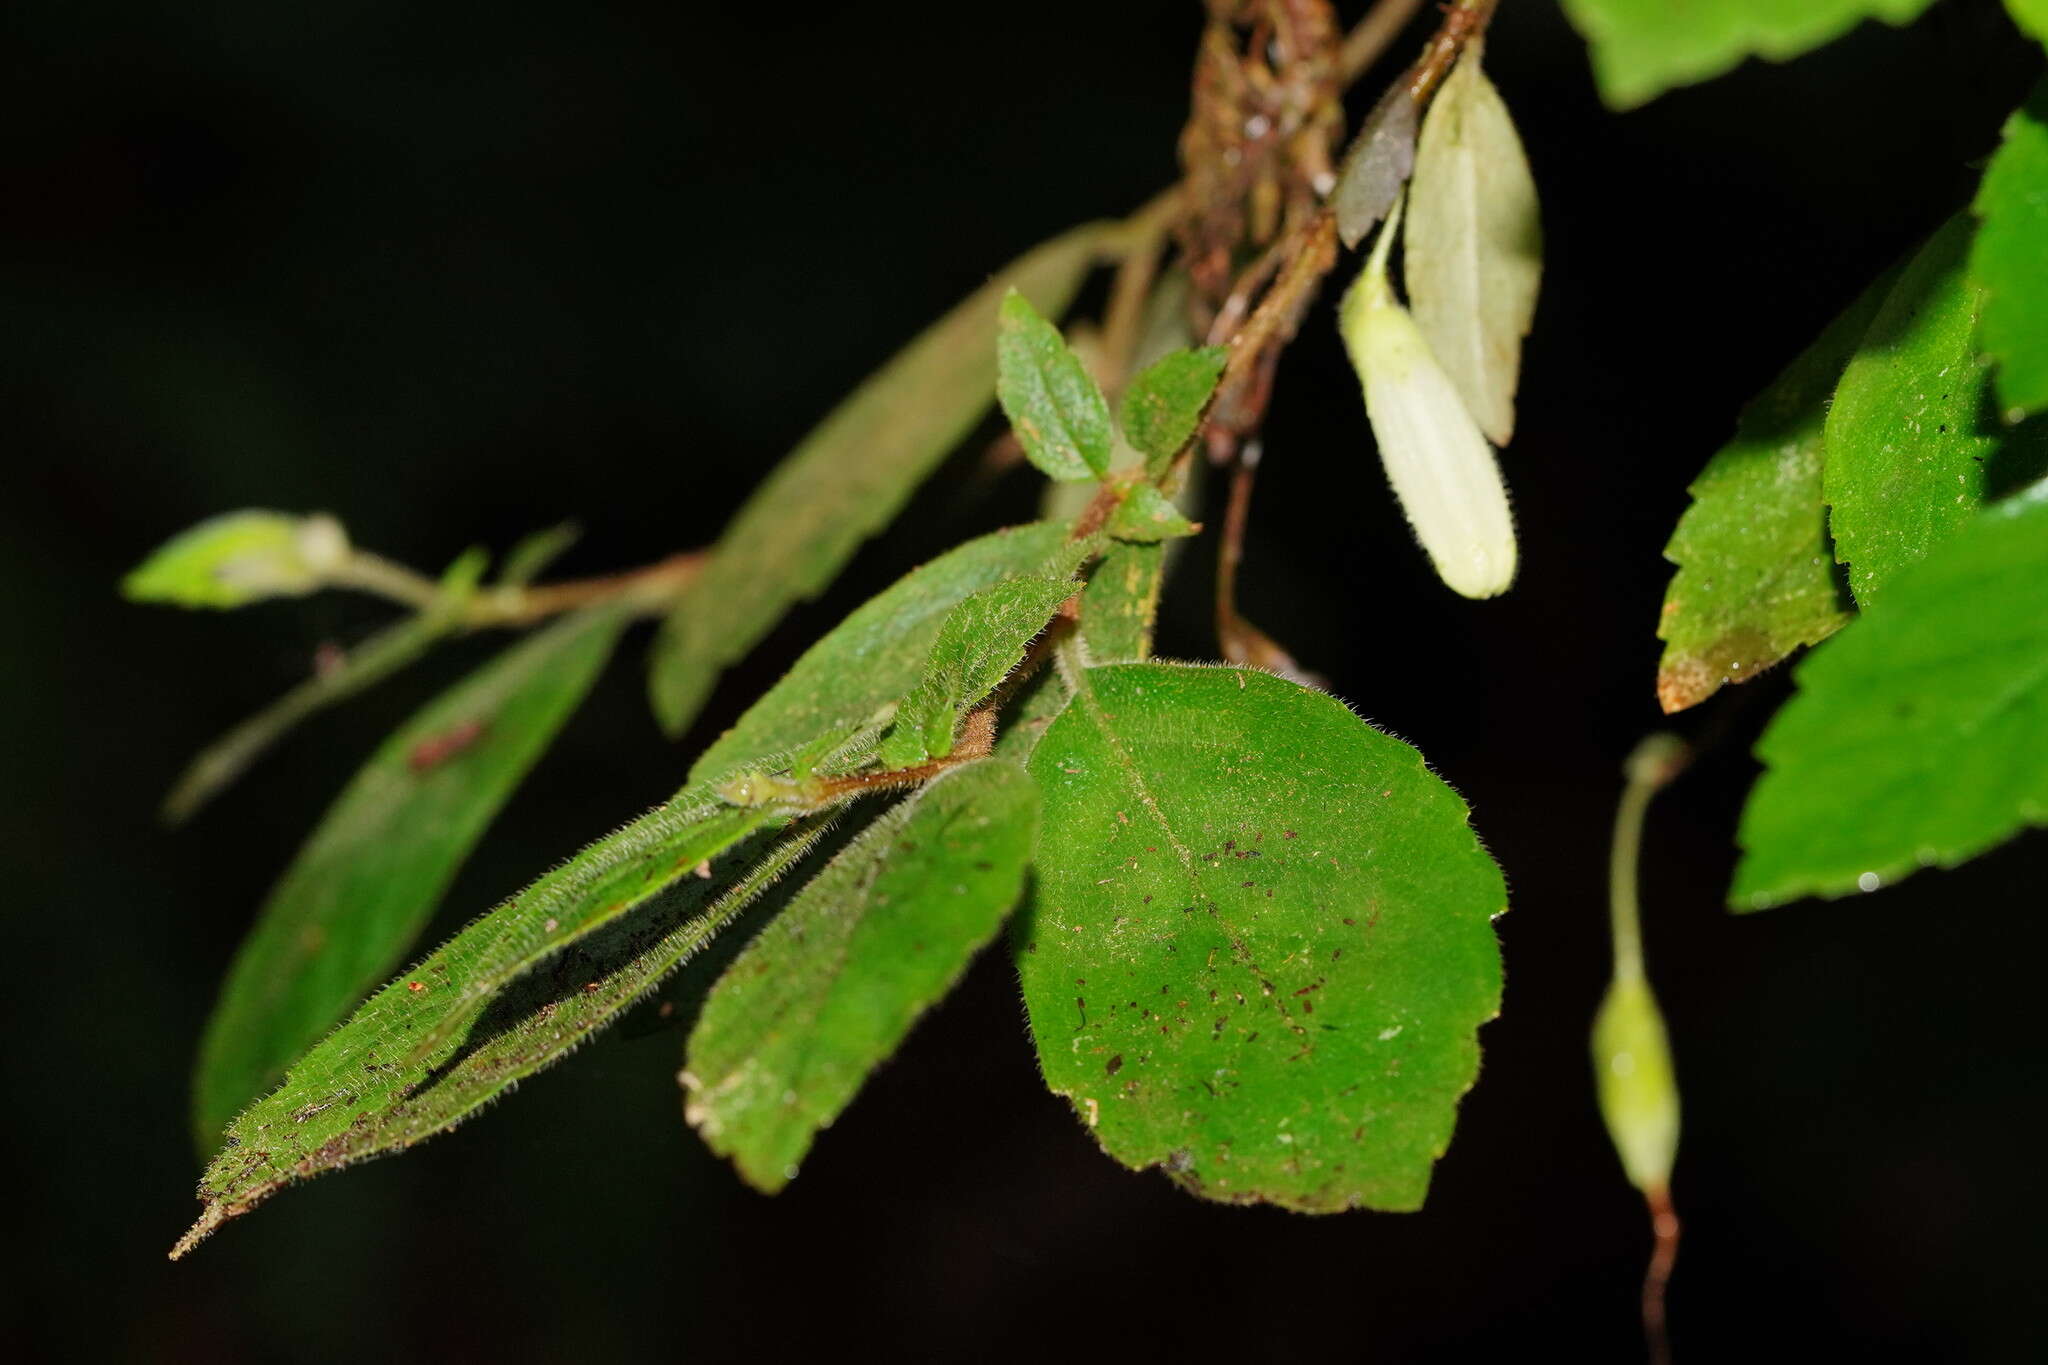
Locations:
column 1756, row 575
column 1914, row 443
column 1919, row 735
column 1164, row 402
column 2007, row 258
column 1053, row 403
column 876, row 655
column 1642, row 48
column 359, row 1095
column 848, row 479
column 362, row 667
column 241, row 557
column 1147, row 515
column 1376, row 166
column 528, row 559
column 981, row 641
column 1260, row 942
column 345, row 911
column 833, row 985
column 1474, row 244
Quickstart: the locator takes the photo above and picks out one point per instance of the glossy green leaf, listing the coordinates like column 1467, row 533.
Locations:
column 1756, row 575
column 1914, row 442
column 981, row 640
column 1474, row 245
column 360, row 1093
column 1148, row 515
column 359, row 891
column 1261, row 938
column 2007, row 258
column 833, row 985
column 530, row 557
column 241, row 557
column 1053, row 403
column 1642, row 48
column 1919, row 735
column 362, row 667
column 1164, row 402
column 877, row 654
column 849, row 478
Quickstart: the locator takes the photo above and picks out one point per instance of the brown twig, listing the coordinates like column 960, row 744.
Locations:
column 1663, row 1255
column 651, row 588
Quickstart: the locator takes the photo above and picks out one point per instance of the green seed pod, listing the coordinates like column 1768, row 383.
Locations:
column 1638, row 1093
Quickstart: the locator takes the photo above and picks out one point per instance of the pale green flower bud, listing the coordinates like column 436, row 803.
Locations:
column 1441, row 467
column 1638, row 1094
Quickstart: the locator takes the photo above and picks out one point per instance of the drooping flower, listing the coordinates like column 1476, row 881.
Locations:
column 1441, row 467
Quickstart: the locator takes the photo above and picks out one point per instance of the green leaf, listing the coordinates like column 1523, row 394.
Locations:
column 358, row 893
column 361, row 668
column 1147, row 515
column 1260, row 944
column 1756, row 576
column 877, row 654
column 2006, row 259
column 241, row 557
column 1121, row 602
column 1642, row 48
column 530, row 557
column 1164, row 402
column 981, row 640
column 2030, row 15
column 1919, row 735
column 1053, row 403
column 833, row 985
column 1913, row 441
column 1474, row 244
column 359, row 1094
column 848, row 479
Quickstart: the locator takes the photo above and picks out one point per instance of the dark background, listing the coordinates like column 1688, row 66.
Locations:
column 454, row 272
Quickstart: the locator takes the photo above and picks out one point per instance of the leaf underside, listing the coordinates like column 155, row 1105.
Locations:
column 1260, row 943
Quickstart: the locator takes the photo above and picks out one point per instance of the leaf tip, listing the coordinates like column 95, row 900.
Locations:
column 211, row 1217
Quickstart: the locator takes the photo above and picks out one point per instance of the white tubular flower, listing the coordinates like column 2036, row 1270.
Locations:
column 1441, row 467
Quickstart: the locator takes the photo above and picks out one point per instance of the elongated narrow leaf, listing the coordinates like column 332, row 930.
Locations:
column 360, row 1094
column 1914, row 441
column 530, row 558
column 981, row 640
column 1261, row 943
column 362, row 667
column 1164, row 403
column 830, row 988
column 1642, row 48
column 848, row 479
column 2006, row 261
column 352, row 902
column 1756, row 576
column 241, row 557
column 1919, row 735
column 1053, row 403
column 877, row 654
column 1474, row 244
